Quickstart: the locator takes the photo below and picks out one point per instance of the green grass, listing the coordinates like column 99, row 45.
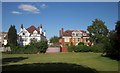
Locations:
column 60, row 61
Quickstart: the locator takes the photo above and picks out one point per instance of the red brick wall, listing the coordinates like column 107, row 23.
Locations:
column 63, row 49
column 71, row 40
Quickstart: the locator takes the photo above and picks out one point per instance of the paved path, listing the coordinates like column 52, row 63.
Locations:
column 53, row 49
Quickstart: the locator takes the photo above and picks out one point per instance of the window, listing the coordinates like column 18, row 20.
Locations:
column 23, row 33
column 76, row 34
column 66, row 39
column 73, row 34
column 77, row 39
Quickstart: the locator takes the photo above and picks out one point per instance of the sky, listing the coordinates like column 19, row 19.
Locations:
column 56, row 15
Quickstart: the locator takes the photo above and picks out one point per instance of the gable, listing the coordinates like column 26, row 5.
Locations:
column 31, row 29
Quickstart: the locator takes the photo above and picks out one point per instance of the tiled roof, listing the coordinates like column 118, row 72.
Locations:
column 69, row 32
column 4, row 32
column 32, row 28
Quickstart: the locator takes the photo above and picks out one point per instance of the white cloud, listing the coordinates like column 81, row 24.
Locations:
column 16, row 12
column 44, row 6
column 29, row 8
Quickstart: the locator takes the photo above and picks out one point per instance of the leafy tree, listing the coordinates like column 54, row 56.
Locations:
column 117, row 28
column 41, row 46
column 12, row 36
column 98, row 30
column 112, row 48
column 54, row 39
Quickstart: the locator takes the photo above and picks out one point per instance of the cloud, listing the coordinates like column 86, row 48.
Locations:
column 16, row 12
column 29, row 8
column 44, row 6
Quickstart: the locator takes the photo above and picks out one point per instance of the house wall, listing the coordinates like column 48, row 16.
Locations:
column 74, row 40
column 25, row 37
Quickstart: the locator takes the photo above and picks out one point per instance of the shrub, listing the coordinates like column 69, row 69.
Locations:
column 97, row 48
column 41, row 46
column 85, row 48
column 77, row 48
column 82, row 48
column 30, row 49
column 71, row 48
column 81, row 43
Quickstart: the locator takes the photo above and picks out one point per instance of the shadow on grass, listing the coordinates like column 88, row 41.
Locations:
column 49, row 67
column 112, row 57
column 13, row 59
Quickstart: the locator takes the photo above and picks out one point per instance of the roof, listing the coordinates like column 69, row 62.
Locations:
column 4, row 35
column 69, row 32
column 32, row 28
column 80, row 31
column 4, row 32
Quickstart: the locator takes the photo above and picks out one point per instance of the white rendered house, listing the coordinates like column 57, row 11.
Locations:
column 25, row 35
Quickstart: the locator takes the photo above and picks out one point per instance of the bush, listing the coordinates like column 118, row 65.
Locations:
column 71, row 48
column 97, row 48
column 30, row 49
column 85, row 48
column 77, row 48
column 42, row 46
column 82, row 48
column 81, row 43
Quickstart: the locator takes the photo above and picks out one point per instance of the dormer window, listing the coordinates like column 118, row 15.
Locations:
column 73, row 34
column 76, row 34
column 23, row 33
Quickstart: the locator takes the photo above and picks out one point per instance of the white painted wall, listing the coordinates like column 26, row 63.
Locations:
column 27, row 37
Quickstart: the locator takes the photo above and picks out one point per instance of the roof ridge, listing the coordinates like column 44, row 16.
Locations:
column 32, row 28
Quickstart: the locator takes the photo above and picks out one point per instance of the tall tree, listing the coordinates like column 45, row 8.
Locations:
column 98, row 30
column 54, row 39
column 117, row 28
column 12, row 36
column 113, row 49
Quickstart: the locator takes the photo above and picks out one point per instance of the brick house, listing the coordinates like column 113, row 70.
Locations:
column 73, row 36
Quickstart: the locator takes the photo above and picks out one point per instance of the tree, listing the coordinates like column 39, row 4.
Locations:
column 112, row 48
column 117, row 28
column 42, row 46
column 98, row 30
column 12, row 36
column 54, row 39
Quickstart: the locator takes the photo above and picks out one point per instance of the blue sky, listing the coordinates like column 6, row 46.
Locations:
column 55, row 15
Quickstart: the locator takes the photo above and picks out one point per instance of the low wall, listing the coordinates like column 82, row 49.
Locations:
column 64, row 49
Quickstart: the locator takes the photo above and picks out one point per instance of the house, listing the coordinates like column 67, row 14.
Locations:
column 73, row 36
column 3, row 39
column 27, row 34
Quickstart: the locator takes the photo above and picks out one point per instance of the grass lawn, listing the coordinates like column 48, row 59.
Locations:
column 83, row 62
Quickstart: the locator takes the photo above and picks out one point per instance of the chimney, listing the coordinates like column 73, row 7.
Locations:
column 60, row 33
column 40, row 28
column 62, row 30
column 44, row 32
column 21, row 27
